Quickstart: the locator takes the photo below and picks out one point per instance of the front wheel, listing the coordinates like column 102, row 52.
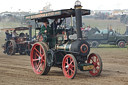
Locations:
column 69, row 66
column 39, row 59
column 97, row 62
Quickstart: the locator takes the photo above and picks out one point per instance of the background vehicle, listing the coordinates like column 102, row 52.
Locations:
column 95, row 37
column 65, row 53
column 19, row 44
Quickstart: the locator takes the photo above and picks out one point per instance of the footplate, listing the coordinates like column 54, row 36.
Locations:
column 86, row 67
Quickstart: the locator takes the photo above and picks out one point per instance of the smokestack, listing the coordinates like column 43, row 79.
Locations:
column 78, row 18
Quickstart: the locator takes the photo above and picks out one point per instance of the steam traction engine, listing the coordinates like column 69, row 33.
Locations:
column 20, row 44
column 68, row 54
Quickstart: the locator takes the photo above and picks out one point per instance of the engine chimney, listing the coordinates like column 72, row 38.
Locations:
column 78, row 18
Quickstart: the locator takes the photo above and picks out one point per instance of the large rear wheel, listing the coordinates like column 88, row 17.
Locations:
column 11, row 47
column 69, row 66
column 97, row 62
column 39, row 59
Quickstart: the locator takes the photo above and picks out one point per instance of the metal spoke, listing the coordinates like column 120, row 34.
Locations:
column 42, row 56
column 92, row 59
column 97, row 60
column 37, row 55
column 35, row 59
column 98, row 65
column 10, row 43
column 68, row 71
column 72, row 70
column 67, row 61
column 39, row 67
column 96, row 70
column 71, row 61
column 36, row 50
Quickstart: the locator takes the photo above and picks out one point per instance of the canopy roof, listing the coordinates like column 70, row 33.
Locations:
column 17, row 29
column 56, row 14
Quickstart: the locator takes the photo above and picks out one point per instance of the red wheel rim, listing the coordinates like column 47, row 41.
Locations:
column 122, row 44
column 68, row 65
column 96, row 61
column 38, row 58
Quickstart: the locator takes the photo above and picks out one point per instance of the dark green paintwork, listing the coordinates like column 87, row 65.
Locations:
column 108, row 37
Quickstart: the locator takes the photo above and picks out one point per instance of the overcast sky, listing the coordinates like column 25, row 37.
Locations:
column 35, row 5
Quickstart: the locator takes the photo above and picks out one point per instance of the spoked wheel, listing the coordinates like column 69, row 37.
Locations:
column 10, row 47
column 69, row 66
column 39, row 59
column 94, row 44
column 121, row 44
column 97, row 62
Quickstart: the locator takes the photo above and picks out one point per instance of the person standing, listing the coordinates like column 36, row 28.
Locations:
column 7, row 35
column 45, row 31
column 14, row 34
column 54, row 25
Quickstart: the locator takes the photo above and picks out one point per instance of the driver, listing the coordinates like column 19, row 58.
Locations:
column 46, row 31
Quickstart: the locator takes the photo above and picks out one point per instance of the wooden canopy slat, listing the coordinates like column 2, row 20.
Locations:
column 56, row 14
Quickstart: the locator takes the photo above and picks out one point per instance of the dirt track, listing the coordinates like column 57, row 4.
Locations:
column 16, row 70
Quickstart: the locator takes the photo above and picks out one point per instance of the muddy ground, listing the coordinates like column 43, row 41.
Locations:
column 17, row 70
